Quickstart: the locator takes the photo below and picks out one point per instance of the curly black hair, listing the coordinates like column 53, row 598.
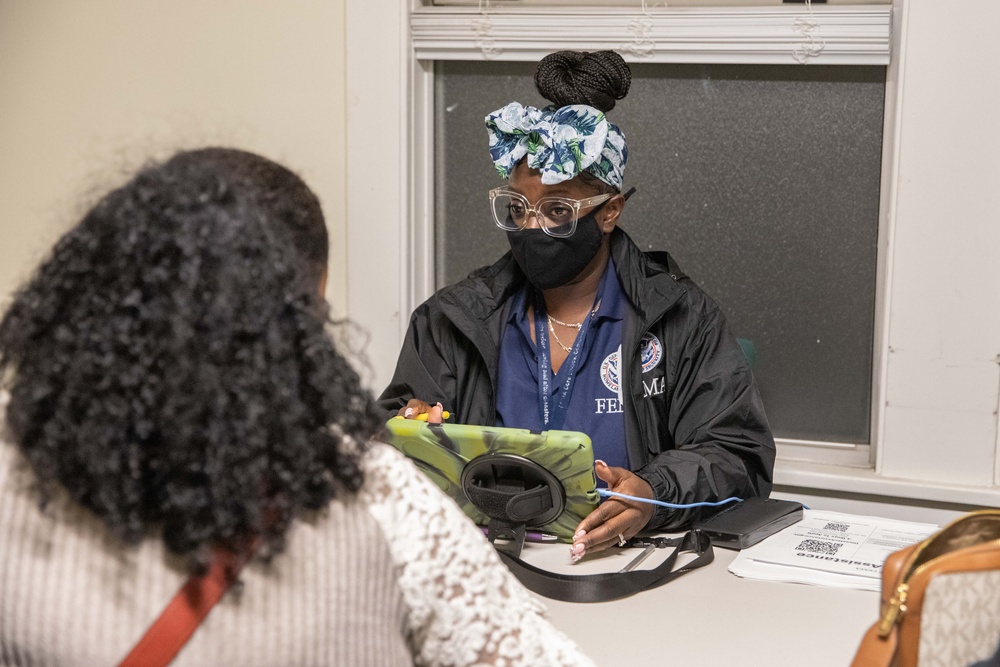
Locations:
column 169, row 368
column 281, row 194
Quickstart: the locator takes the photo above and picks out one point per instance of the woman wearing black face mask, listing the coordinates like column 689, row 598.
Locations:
column 577, row 329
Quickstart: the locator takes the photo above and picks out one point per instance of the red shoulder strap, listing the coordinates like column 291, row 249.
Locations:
column 171, row 631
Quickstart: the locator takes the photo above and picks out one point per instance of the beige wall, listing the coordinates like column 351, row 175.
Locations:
column 944, row 292
column 89, row 90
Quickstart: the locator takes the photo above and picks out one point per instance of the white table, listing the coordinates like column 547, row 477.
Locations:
column 709, row 617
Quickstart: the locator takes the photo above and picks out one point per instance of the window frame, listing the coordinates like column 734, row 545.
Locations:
column 455, row 38
column 407, row 216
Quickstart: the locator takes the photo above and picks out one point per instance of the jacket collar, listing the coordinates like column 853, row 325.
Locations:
column 486, row 290
column 650, row 280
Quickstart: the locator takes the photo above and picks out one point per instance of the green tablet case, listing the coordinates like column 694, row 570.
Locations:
column 444, row 451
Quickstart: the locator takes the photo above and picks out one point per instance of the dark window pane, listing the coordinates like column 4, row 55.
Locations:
column 763, row 182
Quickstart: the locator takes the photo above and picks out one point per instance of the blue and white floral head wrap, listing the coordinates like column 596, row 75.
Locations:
column 560, row 143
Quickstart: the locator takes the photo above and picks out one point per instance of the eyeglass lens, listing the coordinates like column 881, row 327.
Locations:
column 512, row 212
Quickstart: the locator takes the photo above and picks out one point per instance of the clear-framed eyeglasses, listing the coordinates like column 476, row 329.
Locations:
column 556, row 216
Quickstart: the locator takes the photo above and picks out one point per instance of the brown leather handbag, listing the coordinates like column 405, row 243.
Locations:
column 940, row 600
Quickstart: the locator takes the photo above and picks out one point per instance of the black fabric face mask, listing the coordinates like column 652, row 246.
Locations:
column 548, row 261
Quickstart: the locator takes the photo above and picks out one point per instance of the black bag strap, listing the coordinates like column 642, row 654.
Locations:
column 513, row 490
column 610, row 585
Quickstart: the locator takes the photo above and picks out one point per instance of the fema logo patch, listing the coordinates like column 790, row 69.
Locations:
column 652, row 352
column 609, row 370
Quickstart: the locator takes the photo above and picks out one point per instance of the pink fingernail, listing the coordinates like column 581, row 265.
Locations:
column 579, row 534
column 408, row 412
column 596, row 461
column 577, row 550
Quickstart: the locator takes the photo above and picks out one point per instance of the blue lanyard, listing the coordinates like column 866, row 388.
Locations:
column 554, row 416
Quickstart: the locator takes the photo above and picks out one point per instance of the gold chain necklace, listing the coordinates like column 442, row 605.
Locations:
column 577, row 325
column 574, row 325
column 555, row 336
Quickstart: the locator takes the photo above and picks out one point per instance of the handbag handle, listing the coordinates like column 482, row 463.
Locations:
column 875, row 650
column 610, row 585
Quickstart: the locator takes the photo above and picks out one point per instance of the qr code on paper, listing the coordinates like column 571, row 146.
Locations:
column 819, row 547
column 842, row 527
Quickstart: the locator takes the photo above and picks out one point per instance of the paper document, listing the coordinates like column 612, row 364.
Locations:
column 830, row 549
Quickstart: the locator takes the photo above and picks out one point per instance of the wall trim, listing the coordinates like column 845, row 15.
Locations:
column 831, row 35
column 830, row 453
column 865, row 481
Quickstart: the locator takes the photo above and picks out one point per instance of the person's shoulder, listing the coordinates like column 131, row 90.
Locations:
column 389, row 475
column 655, row 265
column 477, row 279
column 380, row 459
column 664, row 276
column 696, row 304
column 481, row 291
column 657, row 278
column 697, row 300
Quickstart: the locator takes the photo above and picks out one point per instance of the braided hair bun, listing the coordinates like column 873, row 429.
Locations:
column 597, row 78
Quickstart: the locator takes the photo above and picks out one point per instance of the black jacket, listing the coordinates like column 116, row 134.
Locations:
column 695, row 426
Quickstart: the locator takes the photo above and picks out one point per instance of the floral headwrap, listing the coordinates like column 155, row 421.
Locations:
column 560, row 143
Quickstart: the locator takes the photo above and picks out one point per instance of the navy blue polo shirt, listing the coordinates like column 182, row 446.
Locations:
column 595, row 405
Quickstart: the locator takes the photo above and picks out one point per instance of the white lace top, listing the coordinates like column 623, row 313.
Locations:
column 463, row 602
column 394, row 576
